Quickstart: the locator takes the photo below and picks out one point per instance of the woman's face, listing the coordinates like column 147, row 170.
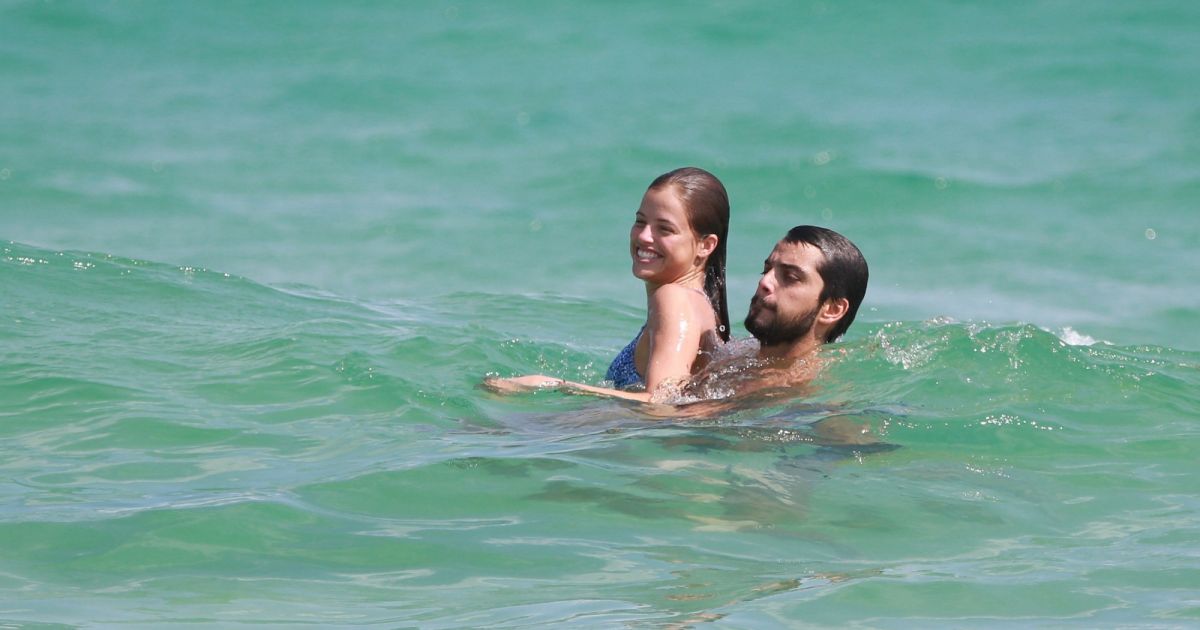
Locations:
column 662, row 244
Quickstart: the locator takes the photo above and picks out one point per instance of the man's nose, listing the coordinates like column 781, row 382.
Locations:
column 766, row 284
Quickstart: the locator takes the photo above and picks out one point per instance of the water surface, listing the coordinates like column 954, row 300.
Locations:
column 256, row 261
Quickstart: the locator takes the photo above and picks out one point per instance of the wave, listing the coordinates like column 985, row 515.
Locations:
column 97, row 341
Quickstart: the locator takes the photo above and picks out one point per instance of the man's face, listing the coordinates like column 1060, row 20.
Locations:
column 786, row 303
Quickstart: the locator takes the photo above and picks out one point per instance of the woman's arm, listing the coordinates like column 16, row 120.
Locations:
column 535, row 382
column 673, row 331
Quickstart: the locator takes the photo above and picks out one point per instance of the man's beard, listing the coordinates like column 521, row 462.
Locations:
column 778, row 331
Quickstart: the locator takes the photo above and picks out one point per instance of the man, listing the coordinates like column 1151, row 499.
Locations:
column 812, row 285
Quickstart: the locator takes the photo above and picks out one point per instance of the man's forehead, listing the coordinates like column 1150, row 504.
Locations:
column 799, row 254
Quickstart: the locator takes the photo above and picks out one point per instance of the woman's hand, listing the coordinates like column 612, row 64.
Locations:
column 518, row 384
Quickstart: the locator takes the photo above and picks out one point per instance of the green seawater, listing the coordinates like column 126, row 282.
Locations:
column 256, row 258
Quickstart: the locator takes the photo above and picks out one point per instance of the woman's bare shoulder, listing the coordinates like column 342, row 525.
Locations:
column 673, row 303
column 680, row 293
column 673, row 300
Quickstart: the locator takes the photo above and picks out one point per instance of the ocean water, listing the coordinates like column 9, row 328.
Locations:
column 255, row 260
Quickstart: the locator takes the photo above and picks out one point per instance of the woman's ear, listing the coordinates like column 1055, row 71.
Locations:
column 708, row 245
column 833, row 309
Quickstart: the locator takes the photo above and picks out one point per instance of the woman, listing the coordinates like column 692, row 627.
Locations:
column 677, row 244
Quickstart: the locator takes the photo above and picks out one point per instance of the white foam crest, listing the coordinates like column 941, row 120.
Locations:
column 1071, row 337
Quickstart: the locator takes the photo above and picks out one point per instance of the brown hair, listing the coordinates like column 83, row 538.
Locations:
column 843, row 270
column 707, row 206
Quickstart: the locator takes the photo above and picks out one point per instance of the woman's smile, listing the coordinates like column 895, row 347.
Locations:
column 646, row 255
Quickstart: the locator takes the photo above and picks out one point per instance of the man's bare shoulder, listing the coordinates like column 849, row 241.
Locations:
column 737, row 371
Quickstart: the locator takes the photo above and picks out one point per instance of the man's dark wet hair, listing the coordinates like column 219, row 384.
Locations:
column 844, row 270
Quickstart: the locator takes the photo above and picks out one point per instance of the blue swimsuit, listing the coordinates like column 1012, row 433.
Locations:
column 622, row 371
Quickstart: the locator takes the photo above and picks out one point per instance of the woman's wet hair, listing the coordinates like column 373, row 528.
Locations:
column 843, row 270
column 707, row 206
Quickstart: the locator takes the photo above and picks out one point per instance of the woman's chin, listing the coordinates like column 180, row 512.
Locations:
column 641, row 272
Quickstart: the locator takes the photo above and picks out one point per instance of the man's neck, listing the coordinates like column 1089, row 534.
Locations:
column 803, row 348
